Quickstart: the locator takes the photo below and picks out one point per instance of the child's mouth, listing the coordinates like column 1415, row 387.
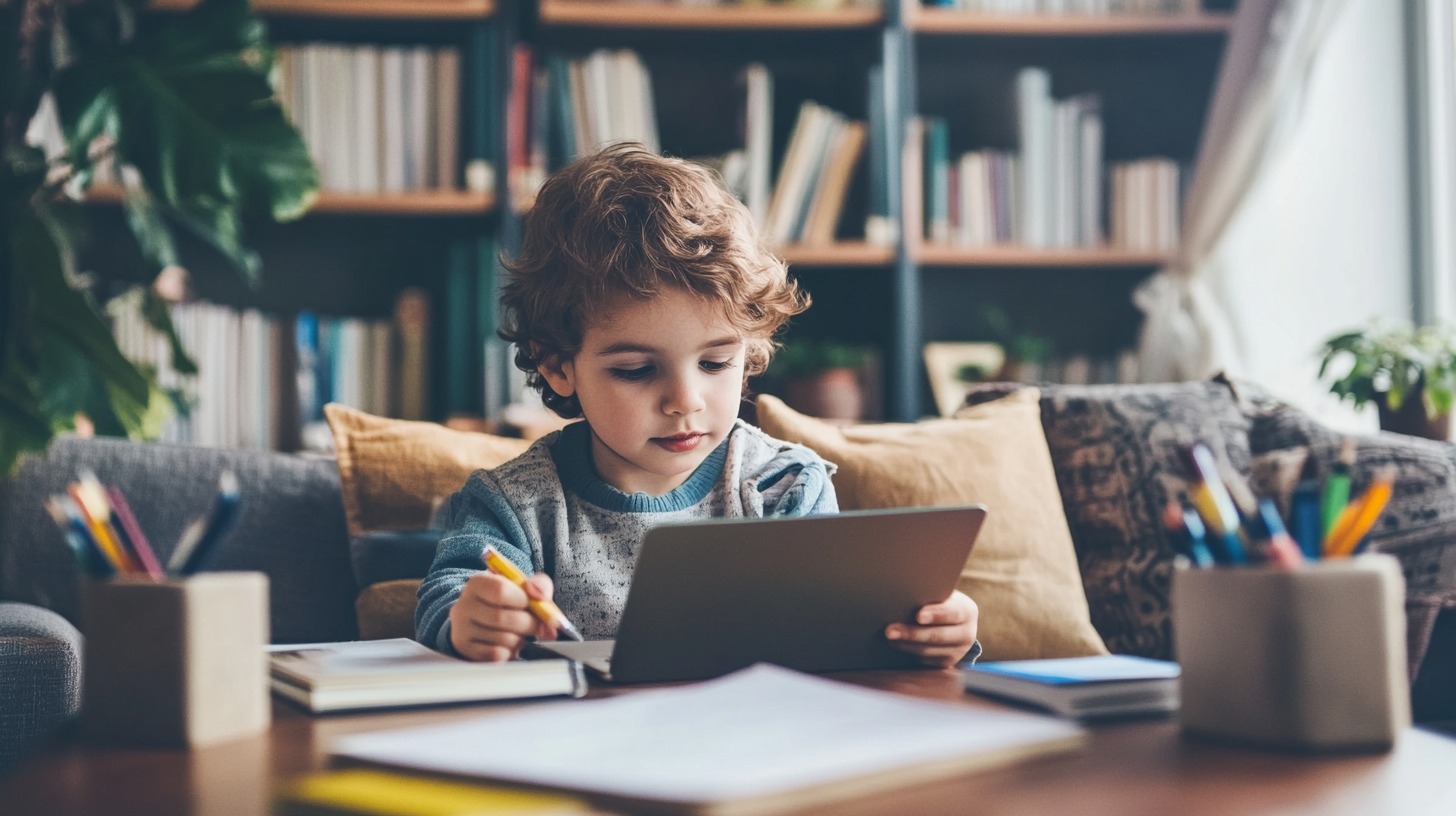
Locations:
column 679, row 443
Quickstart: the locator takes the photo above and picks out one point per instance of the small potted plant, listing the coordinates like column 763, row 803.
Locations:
column 820, row 378
column 1409, row 372
column 1026, row 353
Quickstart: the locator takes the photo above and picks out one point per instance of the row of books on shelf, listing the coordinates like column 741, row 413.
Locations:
column 376, row 119
column 571, row 106
column 1051, row 192
column 262, row 380
column 1145, row 208
column 568, row 107
column 1069, row 6
column 1078, row 369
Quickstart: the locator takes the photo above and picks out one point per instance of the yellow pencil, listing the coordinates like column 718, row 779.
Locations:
column 100, row 530
column 548, row 612
column 1370, row 506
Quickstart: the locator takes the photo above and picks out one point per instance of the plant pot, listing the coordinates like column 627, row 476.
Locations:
column 834, row 393
column 1411, row 419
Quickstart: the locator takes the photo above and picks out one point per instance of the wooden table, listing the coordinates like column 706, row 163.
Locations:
column 1139, row 767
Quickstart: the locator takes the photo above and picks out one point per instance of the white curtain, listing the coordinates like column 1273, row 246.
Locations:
column 1257, row 101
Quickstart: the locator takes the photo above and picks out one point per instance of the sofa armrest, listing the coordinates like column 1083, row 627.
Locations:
column 40, row 675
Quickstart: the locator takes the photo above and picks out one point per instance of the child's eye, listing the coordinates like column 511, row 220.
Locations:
column 632, row 374
column 716, row 365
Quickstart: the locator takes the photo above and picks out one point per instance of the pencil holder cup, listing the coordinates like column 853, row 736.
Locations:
column 179, row 662
column 1311, row 659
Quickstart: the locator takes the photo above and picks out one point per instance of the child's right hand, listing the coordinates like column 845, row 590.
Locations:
column 491, row 622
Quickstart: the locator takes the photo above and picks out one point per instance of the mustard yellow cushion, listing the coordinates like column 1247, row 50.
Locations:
column 387, row 609
column 393, row 471
column 1023, row 570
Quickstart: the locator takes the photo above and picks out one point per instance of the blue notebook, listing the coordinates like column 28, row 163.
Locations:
column 1082, row 687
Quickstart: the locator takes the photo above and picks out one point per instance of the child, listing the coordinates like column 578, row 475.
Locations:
column 641, row 301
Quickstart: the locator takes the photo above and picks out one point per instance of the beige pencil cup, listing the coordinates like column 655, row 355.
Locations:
column 1310, row 658
column 179, row 662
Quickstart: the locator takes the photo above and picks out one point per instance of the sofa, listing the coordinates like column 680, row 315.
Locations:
column 309, row 529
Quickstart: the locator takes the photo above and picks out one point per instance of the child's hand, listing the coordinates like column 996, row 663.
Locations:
column 946, row 631
column 490, row 621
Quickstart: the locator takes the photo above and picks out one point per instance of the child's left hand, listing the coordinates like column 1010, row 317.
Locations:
column 945, row 632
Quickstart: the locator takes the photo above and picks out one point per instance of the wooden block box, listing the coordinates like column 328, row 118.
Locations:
column 177, row 663
column 1310, row 658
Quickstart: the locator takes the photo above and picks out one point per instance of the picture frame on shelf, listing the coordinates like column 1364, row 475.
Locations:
column 954, row 367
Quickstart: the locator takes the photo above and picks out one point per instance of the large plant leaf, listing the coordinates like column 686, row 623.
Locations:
column 189, row 103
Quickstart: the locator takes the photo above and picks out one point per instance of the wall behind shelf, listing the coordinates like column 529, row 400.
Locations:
column 1322, row 243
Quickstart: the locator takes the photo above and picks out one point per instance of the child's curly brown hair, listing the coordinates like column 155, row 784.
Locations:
column 627, row 221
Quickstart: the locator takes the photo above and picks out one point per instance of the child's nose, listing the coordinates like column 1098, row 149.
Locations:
column 682, row 397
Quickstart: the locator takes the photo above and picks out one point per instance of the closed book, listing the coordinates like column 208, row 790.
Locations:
column 384, row 793
column 828, row 201
column 447, row 119
column 1082, row 687
column 361, row 674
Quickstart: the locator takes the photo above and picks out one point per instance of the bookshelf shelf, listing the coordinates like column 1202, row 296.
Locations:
column 841, row 253
column 585, row 13
column 428, row 202
column 1027, row 257
column 949, row 21
column 423, row 203
column 382, row 9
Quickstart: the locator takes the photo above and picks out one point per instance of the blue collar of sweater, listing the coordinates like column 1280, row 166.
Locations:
column 572, row 454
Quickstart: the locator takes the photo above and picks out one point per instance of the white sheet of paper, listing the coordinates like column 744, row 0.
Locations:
column 759, row 731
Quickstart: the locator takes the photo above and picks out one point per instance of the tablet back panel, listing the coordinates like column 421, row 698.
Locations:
column 812, row 594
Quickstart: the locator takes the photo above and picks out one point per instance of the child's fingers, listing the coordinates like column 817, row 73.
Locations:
column 483, row 652
column 957, row 609
column 935, row 654
column 928, row 635
column 492, row 646
column 538, row 587
column 515, row 621
column 933, row 645
column 940, row 615
column 494, row 590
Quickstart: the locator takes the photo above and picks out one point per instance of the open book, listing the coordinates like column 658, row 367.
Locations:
column 361, row 674
column 761, row 740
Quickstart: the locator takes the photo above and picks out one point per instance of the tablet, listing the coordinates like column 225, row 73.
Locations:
column 813, row 594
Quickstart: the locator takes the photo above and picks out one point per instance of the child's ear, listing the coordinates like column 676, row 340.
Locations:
column 558, row 374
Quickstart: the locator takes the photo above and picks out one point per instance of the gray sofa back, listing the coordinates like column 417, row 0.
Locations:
column 291, row 526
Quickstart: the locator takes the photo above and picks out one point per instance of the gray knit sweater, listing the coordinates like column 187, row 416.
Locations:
column 548, row 511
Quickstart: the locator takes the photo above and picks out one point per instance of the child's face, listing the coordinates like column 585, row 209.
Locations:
column 659, row 383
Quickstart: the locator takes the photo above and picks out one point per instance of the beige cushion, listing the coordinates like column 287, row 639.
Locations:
column 1023, row 570
column 393, row 471
column 387, row 609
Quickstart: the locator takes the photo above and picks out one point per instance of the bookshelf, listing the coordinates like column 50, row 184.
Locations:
column 951, row 22
column 1147, row 79
column 415, row 203
column 358, row 9
column 1025, row 257
column 357, row 250
column 667, row 15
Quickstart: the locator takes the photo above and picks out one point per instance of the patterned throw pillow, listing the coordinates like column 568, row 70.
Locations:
column 1119, row 456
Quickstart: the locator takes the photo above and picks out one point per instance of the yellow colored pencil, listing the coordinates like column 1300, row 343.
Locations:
column 1370, row 506
column 100, row 530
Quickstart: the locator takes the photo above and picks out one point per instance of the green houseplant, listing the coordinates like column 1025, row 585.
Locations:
column 1408, row 372
column 184, row 99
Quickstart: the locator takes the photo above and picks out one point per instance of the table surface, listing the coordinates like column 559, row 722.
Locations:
column 1130, row 767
